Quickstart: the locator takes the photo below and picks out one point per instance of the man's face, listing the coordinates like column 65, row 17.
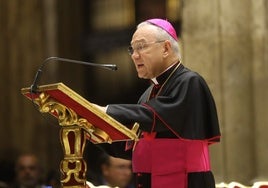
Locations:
column 148, row 52
column 118, row 172
column 27, row 169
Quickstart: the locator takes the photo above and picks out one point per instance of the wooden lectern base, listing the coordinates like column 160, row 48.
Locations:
column 73, row 167
column 80, row 121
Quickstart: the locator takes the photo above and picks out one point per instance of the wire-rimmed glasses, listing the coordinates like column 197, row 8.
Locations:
column 139, row 46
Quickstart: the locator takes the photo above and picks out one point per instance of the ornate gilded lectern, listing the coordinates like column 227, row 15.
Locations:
column 80, row 120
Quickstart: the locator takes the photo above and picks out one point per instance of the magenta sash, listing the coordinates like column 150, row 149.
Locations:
column 169, row 160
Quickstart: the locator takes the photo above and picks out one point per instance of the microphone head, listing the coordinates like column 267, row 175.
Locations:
column 114, row 68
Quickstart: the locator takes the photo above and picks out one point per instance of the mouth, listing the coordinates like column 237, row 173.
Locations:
column 139, row 66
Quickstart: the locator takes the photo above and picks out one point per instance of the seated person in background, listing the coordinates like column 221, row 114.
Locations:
column 116, row 172
column 28, row 172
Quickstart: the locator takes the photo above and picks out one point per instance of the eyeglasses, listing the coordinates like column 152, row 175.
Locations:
column 139, row 46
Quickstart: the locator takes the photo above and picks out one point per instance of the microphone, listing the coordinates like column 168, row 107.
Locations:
column 39, row 72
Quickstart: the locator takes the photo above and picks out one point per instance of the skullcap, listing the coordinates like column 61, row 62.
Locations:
column 164, row 24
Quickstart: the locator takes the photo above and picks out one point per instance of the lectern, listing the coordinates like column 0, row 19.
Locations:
column 80, row 121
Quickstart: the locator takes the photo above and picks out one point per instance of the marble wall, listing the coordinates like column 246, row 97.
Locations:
column 226, row 42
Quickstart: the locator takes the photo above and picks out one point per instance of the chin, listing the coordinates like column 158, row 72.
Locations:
column 143, row 77
column 140, row 75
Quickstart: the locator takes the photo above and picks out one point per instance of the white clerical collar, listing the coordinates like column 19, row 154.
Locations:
column 154, row 80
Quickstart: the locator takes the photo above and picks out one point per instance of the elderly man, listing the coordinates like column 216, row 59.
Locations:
column 177, row 114
column 116, row 172
column 28, row 172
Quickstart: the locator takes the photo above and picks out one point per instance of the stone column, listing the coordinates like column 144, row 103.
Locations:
column 217, row 43
column 260, row 87
column 201, row 52
column 236, row 55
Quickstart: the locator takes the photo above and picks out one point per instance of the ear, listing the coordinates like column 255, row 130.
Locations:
column 167, row 48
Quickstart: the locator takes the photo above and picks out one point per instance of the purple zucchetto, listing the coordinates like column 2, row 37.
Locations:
column 164, row 24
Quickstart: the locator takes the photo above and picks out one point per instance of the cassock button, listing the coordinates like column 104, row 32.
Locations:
column 139, row 174
column 139, row 185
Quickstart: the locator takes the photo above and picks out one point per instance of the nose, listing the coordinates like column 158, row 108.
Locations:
column 135, row 54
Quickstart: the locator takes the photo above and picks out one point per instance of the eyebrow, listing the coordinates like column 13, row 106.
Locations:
column 136, row 41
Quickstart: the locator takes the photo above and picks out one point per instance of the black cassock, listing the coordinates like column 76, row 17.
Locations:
column 182, row 107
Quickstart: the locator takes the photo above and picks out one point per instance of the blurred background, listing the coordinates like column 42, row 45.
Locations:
column 225, row 41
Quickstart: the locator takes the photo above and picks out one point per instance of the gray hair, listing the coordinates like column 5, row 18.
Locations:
column 163, row 35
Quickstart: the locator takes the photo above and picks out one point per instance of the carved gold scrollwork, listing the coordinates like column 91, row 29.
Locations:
column 75, row 171
column 89, row 128
column 95, row 134
column 73, row 166
column 75, row 130
column 67, row 117
column 73, row 147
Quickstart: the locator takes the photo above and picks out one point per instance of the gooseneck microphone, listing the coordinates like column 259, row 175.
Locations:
column 39, row 72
